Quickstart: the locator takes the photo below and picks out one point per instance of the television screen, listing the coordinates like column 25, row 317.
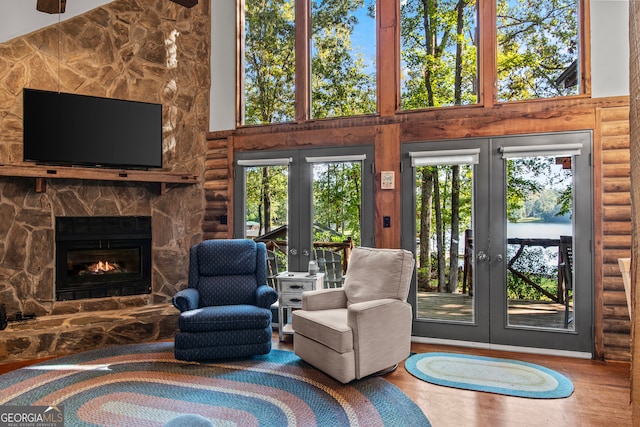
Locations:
column 70, row 129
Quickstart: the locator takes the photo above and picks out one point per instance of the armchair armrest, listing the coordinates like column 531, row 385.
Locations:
column 265, row 296
column 380, row 324
column 187, row 299
column 324, row 299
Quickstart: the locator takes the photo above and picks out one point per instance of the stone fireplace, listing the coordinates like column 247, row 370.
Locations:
column 119, row 51
column 100, row 256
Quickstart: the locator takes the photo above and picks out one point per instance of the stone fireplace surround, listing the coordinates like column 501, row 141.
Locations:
column 27, row 252
column 118, row 50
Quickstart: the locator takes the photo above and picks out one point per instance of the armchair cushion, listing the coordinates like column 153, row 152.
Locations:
column 328, row 327
column 236, row 258
column 391, row 268
column 224, row 318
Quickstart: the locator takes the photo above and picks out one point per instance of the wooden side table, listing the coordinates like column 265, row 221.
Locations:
column 291, row 285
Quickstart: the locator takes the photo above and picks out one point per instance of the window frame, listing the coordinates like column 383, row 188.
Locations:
column 388, row 62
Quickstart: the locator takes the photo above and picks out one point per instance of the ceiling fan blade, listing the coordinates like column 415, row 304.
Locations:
column 51, row 6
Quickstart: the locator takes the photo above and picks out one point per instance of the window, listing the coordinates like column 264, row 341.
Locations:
column 313, row 59
column 538, row 47
column 342, row 59
column 269, row 58
column 343, row 75
column 438, row 53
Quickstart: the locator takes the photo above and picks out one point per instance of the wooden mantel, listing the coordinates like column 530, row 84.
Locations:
column 42, row 173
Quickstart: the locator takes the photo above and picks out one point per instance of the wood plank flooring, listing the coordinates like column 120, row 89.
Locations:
column 601, row 396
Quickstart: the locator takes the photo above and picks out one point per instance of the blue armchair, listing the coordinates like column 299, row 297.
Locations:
column 225, row 310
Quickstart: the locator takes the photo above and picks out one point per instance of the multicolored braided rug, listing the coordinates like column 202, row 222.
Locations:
column 144, row 385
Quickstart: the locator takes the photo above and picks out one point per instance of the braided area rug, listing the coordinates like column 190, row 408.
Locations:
column 489, row 374
column 144, row 385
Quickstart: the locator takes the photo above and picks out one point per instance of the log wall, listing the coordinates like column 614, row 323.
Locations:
column 608, row 118
column 612, row 230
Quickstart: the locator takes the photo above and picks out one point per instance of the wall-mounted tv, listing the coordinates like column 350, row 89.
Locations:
column 70, row 129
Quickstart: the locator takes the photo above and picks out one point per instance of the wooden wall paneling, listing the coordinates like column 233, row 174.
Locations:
column 634, row 148
column 387, row 202
column 218, row 190
column 503, row 120
column 230, row 186
column 613, row 232
column 306, row 138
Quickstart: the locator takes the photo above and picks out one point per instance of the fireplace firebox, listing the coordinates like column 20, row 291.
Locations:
column 99, row 257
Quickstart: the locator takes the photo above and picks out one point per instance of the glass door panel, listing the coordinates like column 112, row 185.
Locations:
column 314, row 204
column 444, row 241
column 337, row 207
column 539, row 219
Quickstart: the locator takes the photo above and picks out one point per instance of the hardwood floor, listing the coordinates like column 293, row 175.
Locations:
column 601, row 396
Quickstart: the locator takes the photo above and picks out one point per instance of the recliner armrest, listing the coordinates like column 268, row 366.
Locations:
column 186, row 299
column 265, row 296
column 378, row 323
column 324, row 299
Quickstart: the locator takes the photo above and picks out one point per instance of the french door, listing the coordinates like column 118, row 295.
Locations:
column 502, row 232
column 306, row 204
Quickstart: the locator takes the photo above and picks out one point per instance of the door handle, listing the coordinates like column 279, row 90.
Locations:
column 482, row 256
column 306, row 252
column 293, row 251
column 499, row 258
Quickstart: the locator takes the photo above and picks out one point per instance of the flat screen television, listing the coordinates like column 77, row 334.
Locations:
column 70, row 129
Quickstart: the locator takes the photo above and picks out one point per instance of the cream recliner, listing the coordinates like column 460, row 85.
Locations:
column 363, row 327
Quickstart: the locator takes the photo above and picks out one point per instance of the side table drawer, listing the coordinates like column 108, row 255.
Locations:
column 296, row 286
column 291, row 299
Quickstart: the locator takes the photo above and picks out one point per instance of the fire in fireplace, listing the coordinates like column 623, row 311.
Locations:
column 102, row 256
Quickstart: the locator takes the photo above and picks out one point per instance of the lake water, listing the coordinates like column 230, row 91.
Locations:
column 539, row 230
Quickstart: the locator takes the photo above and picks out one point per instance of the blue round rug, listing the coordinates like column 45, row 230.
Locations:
column 490, row 374
column 144, row 385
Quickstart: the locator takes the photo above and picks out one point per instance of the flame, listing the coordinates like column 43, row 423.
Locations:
column 102, row 267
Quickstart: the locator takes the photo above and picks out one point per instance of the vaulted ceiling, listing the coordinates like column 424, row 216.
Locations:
column 20, row 17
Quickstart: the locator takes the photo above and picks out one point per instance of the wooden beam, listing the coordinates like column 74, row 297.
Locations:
column 186, row 3
column 52, row 6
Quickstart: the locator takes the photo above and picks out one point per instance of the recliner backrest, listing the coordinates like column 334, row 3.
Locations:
column 375, row 273
column 227, row 272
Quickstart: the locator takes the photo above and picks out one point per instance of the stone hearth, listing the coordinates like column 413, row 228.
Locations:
column 62, row 334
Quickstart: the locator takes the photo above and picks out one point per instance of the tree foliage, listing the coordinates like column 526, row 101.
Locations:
column 266, row 185
column 337, row 190
column 269, row 61
column 341, row 78
column 537, row 42
column 341, row 82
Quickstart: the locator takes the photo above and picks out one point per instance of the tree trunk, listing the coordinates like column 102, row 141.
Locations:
column 426, row 199
column 455, row 228
column 266, row 199
column 442, row 283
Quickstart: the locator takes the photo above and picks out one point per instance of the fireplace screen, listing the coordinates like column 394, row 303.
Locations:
column 102, row 256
